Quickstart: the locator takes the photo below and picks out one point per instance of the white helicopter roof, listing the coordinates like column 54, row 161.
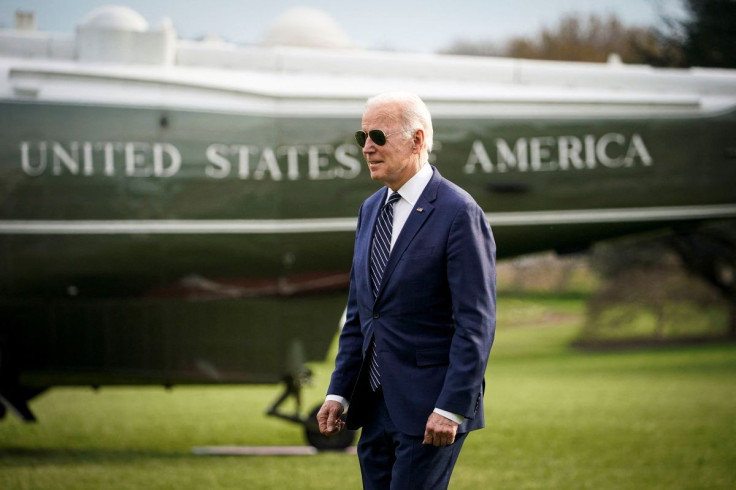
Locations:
column 116, row 58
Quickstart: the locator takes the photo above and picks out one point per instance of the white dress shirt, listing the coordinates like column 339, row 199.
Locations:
column 409, row 192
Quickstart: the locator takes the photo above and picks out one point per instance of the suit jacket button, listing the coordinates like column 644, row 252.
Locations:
column 376, row 315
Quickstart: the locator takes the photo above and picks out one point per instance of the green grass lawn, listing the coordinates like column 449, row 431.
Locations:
column 557, row 419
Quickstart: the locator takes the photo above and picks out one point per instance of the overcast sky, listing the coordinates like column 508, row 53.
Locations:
column 423, row 26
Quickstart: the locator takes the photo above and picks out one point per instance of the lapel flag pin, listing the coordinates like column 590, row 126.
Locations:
column 420, row 209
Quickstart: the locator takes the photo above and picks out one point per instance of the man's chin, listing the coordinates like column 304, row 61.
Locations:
column 377, row 176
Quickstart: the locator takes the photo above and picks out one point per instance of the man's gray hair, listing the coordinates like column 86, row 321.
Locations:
column 415, row 114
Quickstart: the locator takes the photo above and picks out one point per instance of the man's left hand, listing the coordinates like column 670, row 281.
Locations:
column 328, row 418
column 440, row 431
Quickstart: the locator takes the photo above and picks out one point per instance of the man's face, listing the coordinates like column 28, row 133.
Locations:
column 398, row 160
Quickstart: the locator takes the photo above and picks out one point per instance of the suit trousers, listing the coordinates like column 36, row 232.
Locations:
column 392, row 460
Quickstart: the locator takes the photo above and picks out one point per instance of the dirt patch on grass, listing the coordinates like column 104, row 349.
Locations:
column 631, row 344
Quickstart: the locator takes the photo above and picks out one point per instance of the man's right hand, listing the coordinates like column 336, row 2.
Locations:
column 328, row 418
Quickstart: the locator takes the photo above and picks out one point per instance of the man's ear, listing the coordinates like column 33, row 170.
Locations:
column 418, row 139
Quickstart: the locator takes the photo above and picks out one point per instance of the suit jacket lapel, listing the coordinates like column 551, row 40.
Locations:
column 418, row 216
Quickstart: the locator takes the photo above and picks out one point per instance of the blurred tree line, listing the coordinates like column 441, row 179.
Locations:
column 668, row 282
column 676, row 285
column 705, row 37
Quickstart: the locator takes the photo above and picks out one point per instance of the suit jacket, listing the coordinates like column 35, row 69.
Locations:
column 434, row 317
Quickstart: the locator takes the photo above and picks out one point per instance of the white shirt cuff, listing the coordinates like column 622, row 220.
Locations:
column 340, row 399
column 458, row 419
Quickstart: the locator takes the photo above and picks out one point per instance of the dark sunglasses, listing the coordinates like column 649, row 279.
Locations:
column 376, row 135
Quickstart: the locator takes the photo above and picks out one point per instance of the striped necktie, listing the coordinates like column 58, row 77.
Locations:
column 382, row 242
column 379, row 257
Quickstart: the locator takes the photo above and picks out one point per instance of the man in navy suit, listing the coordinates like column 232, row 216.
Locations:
column 421, row 309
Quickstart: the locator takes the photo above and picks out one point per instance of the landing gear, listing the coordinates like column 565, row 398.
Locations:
column 294, row 383
column 15, row 399
column 13, row 396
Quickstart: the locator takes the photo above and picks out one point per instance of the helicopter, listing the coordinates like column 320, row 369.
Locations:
column 183, row 212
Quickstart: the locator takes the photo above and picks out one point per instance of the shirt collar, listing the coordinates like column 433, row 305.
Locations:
column 413, row 188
